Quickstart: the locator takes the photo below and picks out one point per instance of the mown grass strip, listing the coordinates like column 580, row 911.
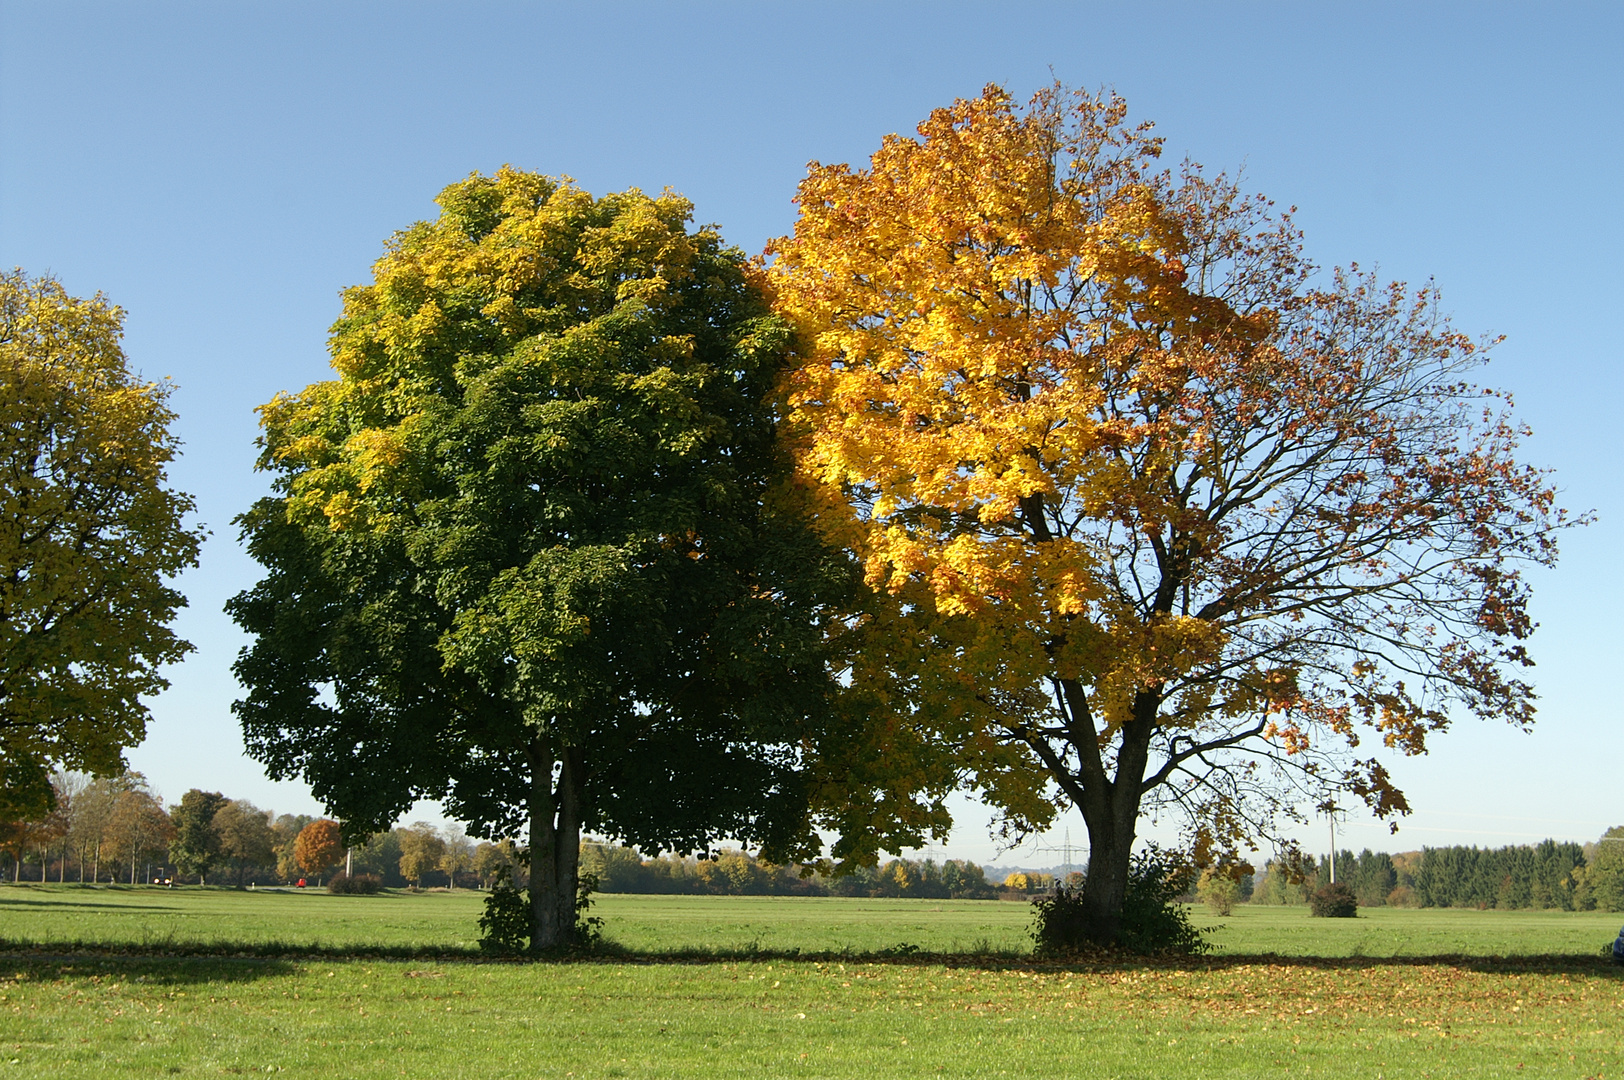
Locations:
column 903, row 1017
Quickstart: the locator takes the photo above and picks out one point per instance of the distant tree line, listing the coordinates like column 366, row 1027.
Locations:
column 738, row 873
column 1552, row 874
column 117, row 830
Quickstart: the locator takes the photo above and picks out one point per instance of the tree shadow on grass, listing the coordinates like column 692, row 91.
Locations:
column 148, row 970
column 166, row 947
column 1541, row 963
column 260, row 958
column 1108, row 962
column 53, row 903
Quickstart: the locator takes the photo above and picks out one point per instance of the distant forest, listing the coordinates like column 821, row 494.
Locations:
column 116, row 829
column 1551, row 874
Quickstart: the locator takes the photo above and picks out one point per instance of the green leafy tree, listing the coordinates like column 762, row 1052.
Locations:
column 380, row 855
column 1604, row 875
column 246, row 837
column 1374, row 878
column 966, row 881
column 91, row 538
column 530, row 553
column 618, row 869
column 196, row 847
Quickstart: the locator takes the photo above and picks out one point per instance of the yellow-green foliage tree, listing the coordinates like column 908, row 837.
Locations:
column 138, row 828
column 91, row 536
column 491, row 859
column 1218, row 890
column 287, row 828
column 1183, row 521
column 421, row 848
column 458, row 856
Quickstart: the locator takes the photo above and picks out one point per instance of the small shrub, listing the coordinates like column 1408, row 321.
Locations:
column 1219, row 891
column 1153, row 920
column 1335, row 901
column 354, row 885
column 1059, row 923
column 588, row 931
column 504, row 929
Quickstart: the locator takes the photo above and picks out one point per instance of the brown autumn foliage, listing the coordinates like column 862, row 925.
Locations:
column 318, row 847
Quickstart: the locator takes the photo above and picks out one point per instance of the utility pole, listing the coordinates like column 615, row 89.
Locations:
column 1331, row 813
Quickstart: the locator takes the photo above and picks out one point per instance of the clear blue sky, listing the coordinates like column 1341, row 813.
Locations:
column 222, row 170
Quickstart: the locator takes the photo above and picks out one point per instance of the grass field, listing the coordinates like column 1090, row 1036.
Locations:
column 740, row 926
column 1526, row 993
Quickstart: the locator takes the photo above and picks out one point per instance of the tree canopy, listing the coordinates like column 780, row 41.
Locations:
column 197, row 846
column 318, row 847
column 531, row 552
column 1190, row 523
column 90, row 536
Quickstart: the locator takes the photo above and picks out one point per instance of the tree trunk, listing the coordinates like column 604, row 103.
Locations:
column 1111, row 812
column 555, row 848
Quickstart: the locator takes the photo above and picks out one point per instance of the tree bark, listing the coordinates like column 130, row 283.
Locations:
column 1110, row 811
column 555, row 847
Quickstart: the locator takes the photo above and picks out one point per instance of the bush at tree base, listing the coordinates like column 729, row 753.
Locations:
column 1153, row 919
column 1333, row 901
column 356, row 885
column 504, row 929
column 588, row 931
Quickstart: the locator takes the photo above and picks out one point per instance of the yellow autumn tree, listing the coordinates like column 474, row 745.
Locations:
column 91, row 538
column 1169, row 516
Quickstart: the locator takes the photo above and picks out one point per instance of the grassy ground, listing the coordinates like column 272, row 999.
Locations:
column 66, row 1013
column 153, row 918
column 152, row 1016
column 1407, row 932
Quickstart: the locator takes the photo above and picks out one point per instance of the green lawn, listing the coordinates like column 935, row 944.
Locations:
column 67, row 1013
column 1408, row 932
column 741, row 925
column 153, row 917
